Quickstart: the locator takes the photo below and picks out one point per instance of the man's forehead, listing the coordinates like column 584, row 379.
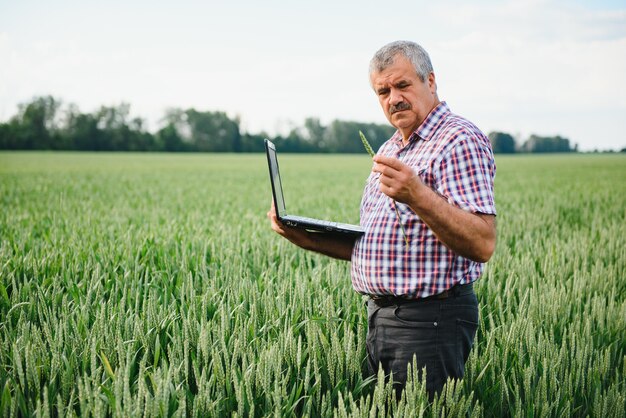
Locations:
column 393, row 76
column 400, row 64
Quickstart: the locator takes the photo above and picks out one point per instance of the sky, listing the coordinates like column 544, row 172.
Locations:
column 544, row 67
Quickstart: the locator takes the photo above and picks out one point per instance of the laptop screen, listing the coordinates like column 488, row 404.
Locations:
column 277, row 187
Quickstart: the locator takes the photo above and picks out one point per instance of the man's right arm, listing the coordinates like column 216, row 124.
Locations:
column 335, row 246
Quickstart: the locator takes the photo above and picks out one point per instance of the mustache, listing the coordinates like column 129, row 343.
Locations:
column 399, row 107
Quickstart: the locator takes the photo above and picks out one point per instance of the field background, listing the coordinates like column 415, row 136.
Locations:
column 152, row 285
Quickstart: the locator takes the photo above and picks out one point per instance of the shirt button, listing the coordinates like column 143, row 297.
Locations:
column 435, row 324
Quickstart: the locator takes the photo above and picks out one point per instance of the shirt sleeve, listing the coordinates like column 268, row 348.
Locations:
column 467, row 175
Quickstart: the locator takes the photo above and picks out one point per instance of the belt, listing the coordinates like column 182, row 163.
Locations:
column 457, row 290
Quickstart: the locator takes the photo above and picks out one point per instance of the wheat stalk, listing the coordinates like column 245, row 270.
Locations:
column 367, row 145
column 370, row 151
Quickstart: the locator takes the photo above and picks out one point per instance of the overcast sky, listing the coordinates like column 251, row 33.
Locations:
column 546, row 67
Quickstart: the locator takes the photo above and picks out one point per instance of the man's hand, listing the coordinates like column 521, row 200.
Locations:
column 297, row 236
column 336, row 246
column 397, row 180
column 471, row 235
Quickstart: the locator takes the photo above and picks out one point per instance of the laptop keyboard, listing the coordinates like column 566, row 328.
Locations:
column 311, row 220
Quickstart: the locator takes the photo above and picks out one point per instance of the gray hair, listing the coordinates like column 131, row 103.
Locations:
column 417, row 55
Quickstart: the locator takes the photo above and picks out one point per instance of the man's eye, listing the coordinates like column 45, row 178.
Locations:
column 383, row 92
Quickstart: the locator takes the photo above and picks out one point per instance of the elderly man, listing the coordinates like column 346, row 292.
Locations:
column 429, row 217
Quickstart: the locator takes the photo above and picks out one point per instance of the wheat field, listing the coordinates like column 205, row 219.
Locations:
column 151, row 285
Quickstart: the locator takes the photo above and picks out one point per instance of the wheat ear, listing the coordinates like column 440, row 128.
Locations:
column 370, row 151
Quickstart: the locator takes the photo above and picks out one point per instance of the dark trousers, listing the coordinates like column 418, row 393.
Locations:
column 438, row 331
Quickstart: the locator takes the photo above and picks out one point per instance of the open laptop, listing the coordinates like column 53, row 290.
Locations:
column 300, row 221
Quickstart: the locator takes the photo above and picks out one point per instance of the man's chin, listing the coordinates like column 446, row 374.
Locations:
column 401, row 120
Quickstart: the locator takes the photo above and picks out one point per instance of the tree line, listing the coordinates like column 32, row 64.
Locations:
column 503, row 143
column 45, row 123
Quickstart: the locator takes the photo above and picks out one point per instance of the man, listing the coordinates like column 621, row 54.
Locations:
column 433, row 180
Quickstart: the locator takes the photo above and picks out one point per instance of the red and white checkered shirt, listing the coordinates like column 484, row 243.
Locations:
column 455, row 159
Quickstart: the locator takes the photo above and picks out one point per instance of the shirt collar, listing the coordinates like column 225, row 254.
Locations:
column 428, row 127
column 432, row 121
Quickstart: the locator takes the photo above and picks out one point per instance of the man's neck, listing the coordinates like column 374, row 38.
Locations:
column 407, row 132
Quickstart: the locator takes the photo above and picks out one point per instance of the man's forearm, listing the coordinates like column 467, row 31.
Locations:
column 468, row 234
column 335, row 246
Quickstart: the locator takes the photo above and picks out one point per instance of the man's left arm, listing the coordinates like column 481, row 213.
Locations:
column 469, row 234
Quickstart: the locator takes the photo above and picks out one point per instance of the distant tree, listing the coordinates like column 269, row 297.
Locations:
column 168, row 139
column 9, row 132
column 82, row 131
column 376, row 134
column 5, row 138
column 35, row 126
column 502, row 143
column 43, row 123
column 112, row 123
column 295, row 143
column 253, row 142
column 338, row 135
column 138, row 138
column 314, row 132
column 108, row 129
column 176, row 134
column 213, row 131
column 545, row 144
column 343, row 136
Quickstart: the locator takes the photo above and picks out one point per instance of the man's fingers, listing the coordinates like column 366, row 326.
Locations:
column 388, row 188
column 388, row 166
column 386, row 180
column 277, row 226
column 385, row 170
column 389, row 162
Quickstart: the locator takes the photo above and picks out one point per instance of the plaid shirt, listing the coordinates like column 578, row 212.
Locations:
column 454, row 158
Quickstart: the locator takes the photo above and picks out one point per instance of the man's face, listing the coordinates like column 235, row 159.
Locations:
column 405, row 99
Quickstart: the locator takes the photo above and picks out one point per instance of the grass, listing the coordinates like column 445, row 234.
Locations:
column 152, row 285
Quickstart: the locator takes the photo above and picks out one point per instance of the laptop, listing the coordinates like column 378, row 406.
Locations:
column 300, row 221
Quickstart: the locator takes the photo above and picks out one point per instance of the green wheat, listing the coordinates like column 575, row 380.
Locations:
column 367, row 145
column 370, row 151
column 152, row 285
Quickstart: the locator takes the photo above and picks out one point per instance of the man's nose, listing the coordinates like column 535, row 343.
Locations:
column 395, row 97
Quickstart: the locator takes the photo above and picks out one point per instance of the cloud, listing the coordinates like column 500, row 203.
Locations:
column 535, row 20
column 537, row 67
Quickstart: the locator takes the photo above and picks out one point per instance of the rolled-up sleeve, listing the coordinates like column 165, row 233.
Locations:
column 466, row 175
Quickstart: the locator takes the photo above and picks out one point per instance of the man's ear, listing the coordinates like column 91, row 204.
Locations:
column 432, row 83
